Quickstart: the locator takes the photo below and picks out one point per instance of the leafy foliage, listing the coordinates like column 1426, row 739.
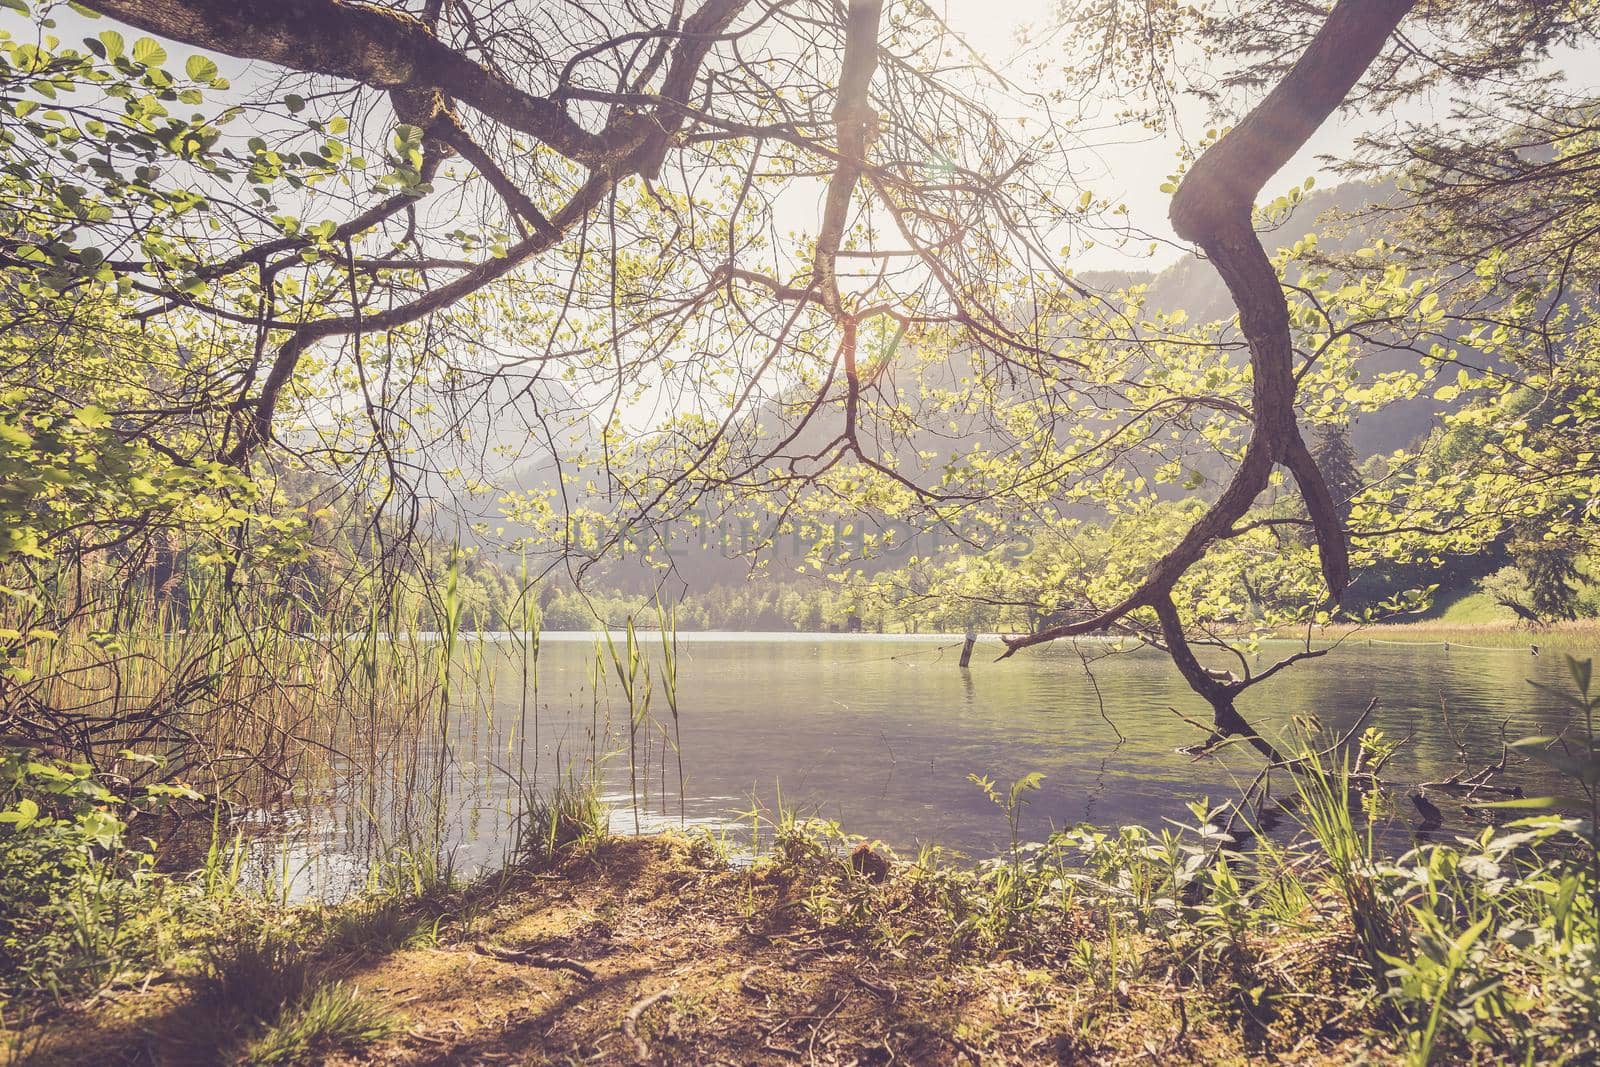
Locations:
column 79, row 907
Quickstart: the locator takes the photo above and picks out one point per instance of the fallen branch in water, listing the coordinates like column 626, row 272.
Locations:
column 1473, row 784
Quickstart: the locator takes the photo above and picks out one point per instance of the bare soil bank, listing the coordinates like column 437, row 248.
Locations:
column 655, row 950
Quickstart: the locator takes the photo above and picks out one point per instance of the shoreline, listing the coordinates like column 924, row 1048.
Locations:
column 1576, row 636
column 655, row 950
column 1100, row 947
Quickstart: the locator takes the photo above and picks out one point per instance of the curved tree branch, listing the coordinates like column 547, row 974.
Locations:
column 384, row 49
column 1213, row 208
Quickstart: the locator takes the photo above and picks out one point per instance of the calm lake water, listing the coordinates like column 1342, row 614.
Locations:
column 881, row 732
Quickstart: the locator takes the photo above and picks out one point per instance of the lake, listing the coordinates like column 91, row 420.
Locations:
column 880, row 733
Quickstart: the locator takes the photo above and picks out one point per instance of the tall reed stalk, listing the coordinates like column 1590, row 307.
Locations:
column 529, row 634
column 597, row 676
column 667, row 622
column 1330, row 805
column 450, row 609
column 633, row 674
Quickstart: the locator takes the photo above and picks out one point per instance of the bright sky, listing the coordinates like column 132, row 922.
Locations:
column 1132, row 171
column 1125, row 165
column 1130, row 165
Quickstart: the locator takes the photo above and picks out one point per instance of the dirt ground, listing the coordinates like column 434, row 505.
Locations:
column 647, row 951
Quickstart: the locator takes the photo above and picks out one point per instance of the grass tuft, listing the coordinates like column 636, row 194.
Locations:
column 572, row 816
column 332, row 1017
column 252, row 978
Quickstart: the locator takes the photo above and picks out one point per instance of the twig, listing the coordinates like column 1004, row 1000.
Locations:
column 1295, row 764
column 883, row 989
column 749, row 988
column 1099, row 700
column 816, row 1027
column 630, row 1021
column 417, row 1034
column 1459, row 739
column 1472, row 784
column 1377, row 768
column 534, row 959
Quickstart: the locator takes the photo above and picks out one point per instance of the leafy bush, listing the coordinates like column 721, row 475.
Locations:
column 79, row 908
column 1504, row 925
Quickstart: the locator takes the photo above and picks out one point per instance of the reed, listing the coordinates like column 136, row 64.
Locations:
column 551, row 821
column 667, row 624
column 1341, row 820
column 527, row 634
column 632, row 671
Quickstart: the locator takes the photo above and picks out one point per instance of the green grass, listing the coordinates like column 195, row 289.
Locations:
column 261, row 1000
column 1580, row 637
column 331, row 1017
column 570, row 815
column 251, row 978
column 382, row 924
column 1473, row 609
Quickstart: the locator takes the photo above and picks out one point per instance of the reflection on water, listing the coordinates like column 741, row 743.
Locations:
column 881, row 733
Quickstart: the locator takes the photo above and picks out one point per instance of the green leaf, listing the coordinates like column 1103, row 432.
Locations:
column 114, row 44
column 148, row 52
column 1469, row 936
column 12, row 434
column 24, row 814
column 1520, row 804
column 407, row 138
column 1581, row 672
column 1585, row 768
column 1559, row 694
column 200, row 69
column 93, row 417
column 101, row 827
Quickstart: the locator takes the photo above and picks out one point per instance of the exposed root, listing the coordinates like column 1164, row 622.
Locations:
column 749, row 988
column 630, row 1021
column 534, row 959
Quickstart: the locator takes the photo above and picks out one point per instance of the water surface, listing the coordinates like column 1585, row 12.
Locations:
column 881, row 732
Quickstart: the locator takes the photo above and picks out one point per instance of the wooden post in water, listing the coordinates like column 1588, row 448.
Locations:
column 966, row 649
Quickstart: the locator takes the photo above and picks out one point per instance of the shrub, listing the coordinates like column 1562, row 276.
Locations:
column 79, row 907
